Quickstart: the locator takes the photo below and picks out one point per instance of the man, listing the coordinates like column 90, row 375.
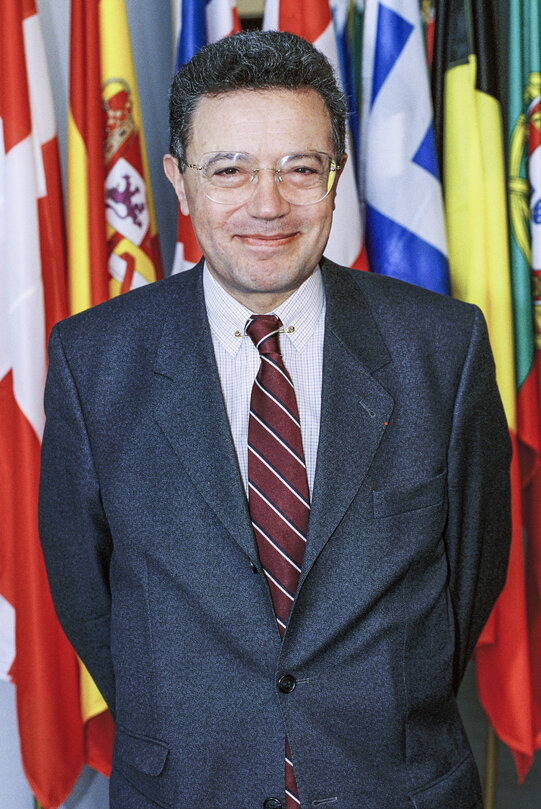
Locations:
column 241, row 587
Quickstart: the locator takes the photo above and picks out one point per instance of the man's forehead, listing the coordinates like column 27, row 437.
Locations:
column 255, row 115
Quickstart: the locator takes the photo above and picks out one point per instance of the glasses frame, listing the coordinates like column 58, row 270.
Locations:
column 334, row 170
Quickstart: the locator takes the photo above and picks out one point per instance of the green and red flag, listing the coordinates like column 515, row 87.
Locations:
column 524, row 133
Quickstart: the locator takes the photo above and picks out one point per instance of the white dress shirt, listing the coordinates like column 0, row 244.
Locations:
column 301, row 344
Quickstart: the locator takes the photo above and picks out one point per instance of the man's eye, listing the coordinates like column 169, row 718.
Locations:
column 227, row 171
column 304, row 170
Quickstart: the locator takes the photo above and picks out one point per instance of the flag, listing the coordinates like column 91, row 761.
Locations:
column 428, row 16
column 32, row 299
column 112, row 234
column 399, row 176
column 524, row 137
column 470, row 135
column 197, row 23
column 313, row 20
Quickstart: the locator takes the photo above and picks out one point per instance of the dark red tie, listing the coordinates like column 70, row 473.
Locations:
column 277, row 483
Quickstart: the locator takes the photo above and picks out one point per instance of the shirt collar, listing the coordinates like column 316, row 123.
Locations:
column 299, row 313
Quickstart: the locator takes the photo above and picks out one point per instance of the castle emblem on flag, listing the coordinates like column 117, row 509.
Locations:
column 119, row 121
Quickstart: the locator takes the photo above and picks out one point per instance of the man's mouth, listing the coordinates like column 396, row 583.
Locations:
column 265, row 239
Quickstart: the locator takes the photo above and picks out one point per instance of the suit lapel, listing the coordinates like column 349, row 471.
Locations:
column 354, row 406
column 191, row 411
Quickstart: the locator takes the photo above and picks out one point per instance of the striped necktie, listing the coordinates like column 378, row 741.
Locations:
column 277, row 483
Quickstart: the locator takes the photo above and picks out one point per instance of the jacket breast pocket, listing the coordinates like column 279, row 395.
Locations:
column 409, row 496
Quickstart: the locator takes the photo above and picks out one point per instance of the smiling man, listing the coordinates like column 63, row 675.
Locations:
column 275, row 504
column 261, row 239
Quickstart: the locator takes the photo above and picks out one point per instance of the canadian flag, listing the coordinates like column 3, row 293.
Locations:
column 312, row 20
column 33, row 649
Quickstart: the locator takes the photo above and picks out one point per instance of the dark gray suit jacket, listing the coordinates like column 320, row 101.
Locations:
column 156, row 579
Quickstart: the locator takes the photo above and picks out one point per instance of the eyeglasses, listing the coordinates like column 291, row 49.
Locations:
column 230, row 178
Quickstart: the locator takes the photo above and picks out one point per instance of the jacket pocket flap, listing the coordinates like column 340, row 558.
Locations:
column 145, row 754
column 409, row 497
column 459, row 788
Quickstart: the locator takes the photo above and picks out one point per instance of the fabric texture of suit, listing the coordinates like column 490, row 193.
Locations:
column 151, row 555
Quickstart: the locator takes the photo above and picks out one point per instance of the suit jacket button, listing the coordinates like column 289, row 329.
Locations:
column 272, row 803
column 286, row 683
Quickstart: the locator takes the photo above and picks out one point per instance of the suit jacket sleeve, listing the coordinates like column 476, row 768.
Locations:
column 478, row 529
column 74, row 533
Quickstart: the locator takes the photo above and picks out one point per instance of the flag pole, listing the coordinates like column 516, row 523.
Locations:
column 491, row 767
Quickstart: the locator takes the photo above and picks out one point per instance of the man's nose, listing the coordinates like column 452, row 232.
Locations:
column 266, row 201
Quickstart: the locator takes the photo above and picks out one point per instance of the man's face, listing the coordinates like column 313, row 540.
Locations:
column 264, row 248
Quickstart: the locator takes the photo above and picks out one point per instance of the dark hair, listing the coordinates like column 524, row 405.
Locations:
column 252, row 60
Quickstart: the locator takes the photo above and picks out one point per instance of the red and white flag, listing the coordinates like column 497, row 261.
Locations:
column 34, row 651
column 312, row 20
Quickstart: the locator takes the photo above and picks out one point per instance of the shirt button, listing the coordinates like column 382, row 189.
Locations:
column 286, row 683
column 272, row 803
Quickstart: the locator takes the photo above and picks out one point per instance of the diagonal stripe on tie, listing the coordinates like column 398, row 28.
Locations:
column 274, row 442
column 288, row 519
column 277, row 484
column 281, row 477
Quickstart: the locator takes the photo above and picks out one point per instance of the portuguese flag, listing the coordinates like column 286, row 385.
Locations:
column 524, row 133
column 470, row 136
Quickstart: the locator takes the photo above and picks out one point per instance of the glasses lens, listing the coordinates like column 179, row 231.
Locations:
column 306, row 178
column 303, row 179
column 227, row 175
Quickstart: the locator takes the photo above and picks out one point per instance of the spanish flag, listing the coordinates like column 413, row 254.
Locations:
column 112, row 234
column 469, row 124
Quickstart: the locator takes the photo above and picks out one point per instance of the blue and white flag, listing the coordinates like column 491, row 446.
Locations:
column 399, row 178
column 196, row 23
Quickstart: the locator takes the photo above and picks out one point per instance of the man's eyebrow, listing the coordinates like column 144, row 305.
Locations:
column 299, row 155
column 217, row 156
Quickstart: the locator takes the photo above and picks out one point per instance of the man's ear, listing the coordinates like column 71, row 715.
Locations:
column 343, row 161
column 176, row 178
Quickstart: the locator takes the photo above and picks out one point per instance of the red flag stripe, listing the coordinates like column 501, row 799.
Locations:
column 305, row 18
column 52, row 238
column 14, row 96
column 87, row 111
